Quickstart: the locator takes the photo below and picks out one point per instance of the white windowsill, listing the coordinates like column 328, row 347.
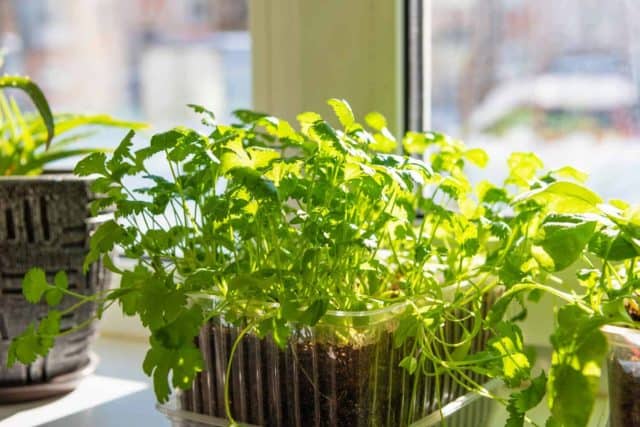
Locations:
column 118, row 394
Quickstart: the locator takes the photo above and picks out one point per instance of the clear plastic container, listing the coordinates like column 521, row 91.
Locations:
column 469, row 410
column 342, row 372
column 624, row 376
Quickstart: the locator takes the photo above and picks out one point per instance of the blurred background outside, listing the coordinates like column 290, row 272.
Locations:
column 561, row 77
column 137, row 59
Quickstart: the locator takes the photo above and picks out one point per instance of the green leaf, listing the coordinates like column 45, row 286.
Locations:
column 507, row 343
column 248, row 116
column 384, row 141
column 563, row 197
column 262, row 157
column 209, row 117
column 255, row 183
column 48, row 329
column 611, row 244
column 564, row 237
column 236, row 156
column 280, row 129
column 24, row 348
column 117, row 164
column 31, row 343
column 523, row 167
column 189, row 364
column 415, row 143
column 248, row 283
column 343, row 111
column 129, row 295
column 571, row 172
column 102, row 241
column 477, row 156
column 579, row 347
column 572, row 397
column 162, row 142
column 159, row 305
column 407, row 327
column 181, row 361
column 383, row 144
column 34, row 285
column 179, row 332
column 53, row 296
column 523, row 401
column 308, row 117
column 409, row 363
column 202, row 278
column 37, row 97
column 499, row 309
column 60, row 280
column 314, row 312
column 94, row 163
column 322, row 131
column 69, row 122
column 376, row 121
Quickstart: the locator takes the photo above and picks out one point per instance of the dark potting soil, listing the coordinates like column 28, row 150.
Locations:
column 311, row 384
column 307, row 384
column 633, row 309
column 624, row 389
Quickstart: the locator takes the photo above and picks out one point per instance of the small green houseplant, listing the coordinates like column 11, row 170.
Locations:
column 44, row 222
column 27, row 143
column 320, row 250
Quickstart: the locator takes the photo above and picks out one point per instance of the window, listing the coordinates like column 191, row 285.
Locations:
column 136, row 59
column 560, row 77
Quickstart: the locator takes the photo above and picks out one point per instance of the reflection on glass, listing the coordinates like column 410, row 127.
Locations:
column 560, row 77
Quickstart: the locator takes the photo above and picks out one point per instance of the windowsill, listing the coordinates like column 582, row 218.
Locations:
column 118, row 394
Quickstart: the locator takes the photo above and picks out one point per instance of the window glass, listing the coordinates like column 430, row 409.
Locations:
column 136, row 59
column 559, row 77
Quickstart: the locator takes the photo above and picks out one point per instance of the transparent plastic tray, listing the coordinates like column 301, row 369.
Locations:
column 343, row 371
column 469, row 410
column 624, row 375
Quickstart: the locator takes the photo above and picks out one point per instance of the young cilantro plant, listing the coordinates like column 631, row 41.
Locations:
column 279, row 225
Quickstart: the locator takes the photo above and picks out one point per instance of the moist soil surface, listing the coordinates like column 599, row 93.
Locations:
column 312, row 384
column 624, row 390
column 308, row 384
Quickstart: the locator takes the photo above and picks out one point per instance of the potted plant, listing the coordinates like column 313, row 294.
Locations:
column 603, row 318
column 571, row 228
column 312, row 277
column 44, row 221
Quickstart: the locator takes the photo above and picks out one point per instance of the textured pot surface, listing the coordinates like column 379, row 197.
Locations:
column 45, row 222
column 624, row 376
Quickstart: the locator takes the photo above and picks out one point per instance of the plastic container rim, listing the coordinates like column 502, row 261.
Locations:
column 394, row 308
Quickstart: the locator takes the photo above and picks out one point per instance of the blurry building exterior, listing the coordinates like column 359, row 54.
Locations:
column 145, row 58
column 558, row 77
column 478, row 45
